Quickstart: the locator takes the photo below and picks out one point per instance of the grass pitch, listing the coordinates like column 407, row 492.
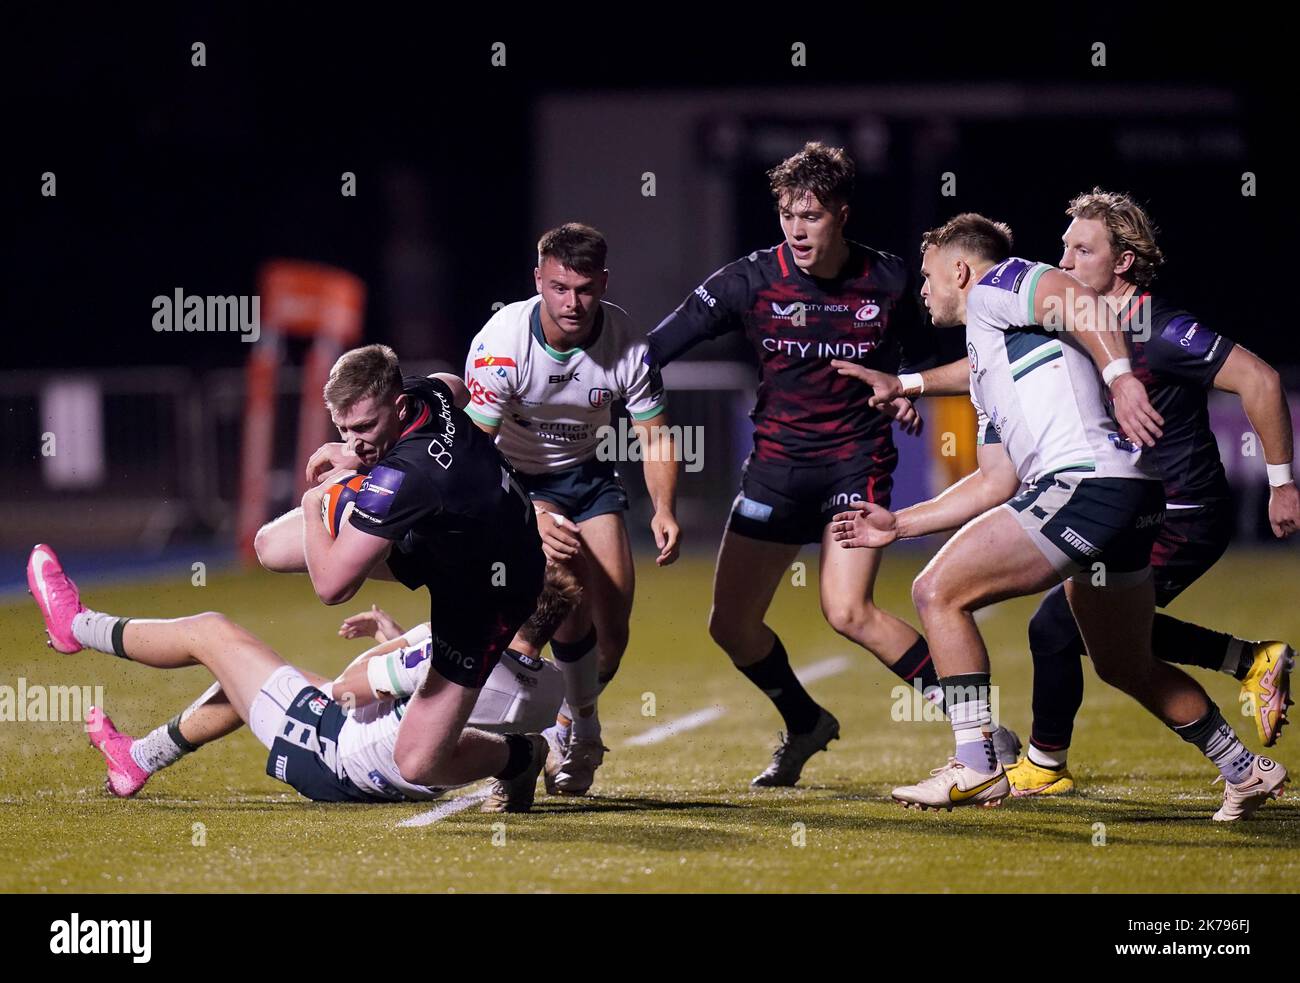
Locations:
column 672, row 815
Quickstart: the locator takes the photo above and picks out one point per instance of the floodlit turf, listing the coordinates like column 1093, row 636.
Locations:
column 670, row 816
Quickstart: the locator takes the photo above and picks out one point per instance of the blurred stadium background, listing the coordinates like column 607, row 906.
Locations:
column 172, row 177
column 175, row 177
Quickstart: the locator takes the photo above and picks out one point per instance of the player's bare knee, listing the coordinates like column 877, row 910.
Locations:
column 722, row 629
column 927, row 591
column 263, row 546
column 414, row 764
column 1124, row 674
column 211, row 623
column 613, row 643
column 852, row 620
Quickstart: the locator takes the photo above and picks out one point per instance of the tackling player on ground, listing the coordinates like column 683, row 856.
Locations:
column 438, row 509
column 818, row 444
column 542, row 375
column 1086, row 507
column 332, row 740
column 347, row 740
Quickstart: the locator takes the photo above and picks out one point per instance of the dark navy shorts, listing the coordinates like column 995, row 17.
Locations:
column 1189, row 543
column 1078, row 522
column 581, row 492
column 793, row 503
column 477, row 603
column 472, row 625
column 304, row 753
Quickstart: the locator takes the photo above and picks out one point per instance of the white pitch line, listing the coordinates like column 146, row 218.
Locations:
column 808, row 674
column 674, row 727
column 820, row 670
column 458, row 804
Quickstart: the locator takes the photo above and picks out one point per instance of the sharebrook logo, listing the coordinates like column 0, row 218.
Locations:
column 99, row 936
column 237, row 313
column 675, row 443
column 47, row 704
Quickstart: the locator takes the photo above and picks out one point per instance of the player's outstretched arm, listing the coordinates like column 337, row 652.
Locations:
column 1264, row 401
column 382, row 672
column 952, row 379
column 660, row 456
column 1062, row 303
column 991, row 484
column 375, row 623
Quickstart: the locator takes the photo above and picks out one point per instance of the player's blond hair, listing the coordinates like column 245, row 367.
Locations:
column 561, row 593
column 1129, row 227
column 361, row 374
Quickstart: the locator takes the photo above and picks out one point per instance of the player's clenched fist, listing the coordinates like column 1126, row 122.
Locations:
column 330, row 457
column 867, row 526
column 560, row 540
column 1284, row 510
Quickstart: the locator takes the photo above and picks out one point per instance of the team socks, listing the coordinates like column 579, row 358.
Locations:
column 99, row 631
column 773, row 675
column 916, row 667
column 1238, row 657
column 967, row 697
column 579, row 664
column 1191, row 645
column 1218, row 742
column 162, row 746
column 1053, row 760
column 520, row 755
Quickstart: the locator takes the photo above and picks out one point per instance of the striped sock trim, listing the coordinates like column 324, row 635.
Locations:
column 174, row 732
column 119, row 626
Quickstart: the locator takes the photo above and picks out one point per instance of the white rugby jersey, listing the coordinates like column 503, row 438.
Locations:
column 368, row 738
column 551, row 405
column 1035, row 390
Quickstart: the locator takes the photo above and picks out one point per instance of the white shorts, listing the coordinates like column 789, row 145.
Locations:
column 272, row 700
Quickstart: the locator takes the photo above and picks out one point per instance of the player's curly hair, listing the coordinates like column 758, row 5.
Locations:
column 1130, row 229
column 362, row 373
column 824, row 172
column 974, row 234
column 574, row 246
column 561, row 593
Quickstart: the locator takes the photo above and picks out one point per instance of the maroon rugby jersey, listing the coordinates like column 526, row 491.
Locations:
column 806, row 412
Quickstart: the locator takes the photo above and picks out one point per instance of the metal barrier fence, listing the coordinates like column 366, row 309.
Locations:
column 138, row 458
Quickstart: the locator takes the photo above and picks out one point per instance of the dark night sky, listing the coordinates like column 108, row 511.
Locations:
column 170, row 175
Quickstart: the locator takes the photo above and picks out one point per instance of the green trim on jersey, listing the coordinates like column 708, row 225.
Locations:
column 649, row 414
column 539, row 335
column 1019, row 342
column 1049, row 352
column 392, row 675
column 1032, row 289
column 1081, row 466
column 482, row 418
